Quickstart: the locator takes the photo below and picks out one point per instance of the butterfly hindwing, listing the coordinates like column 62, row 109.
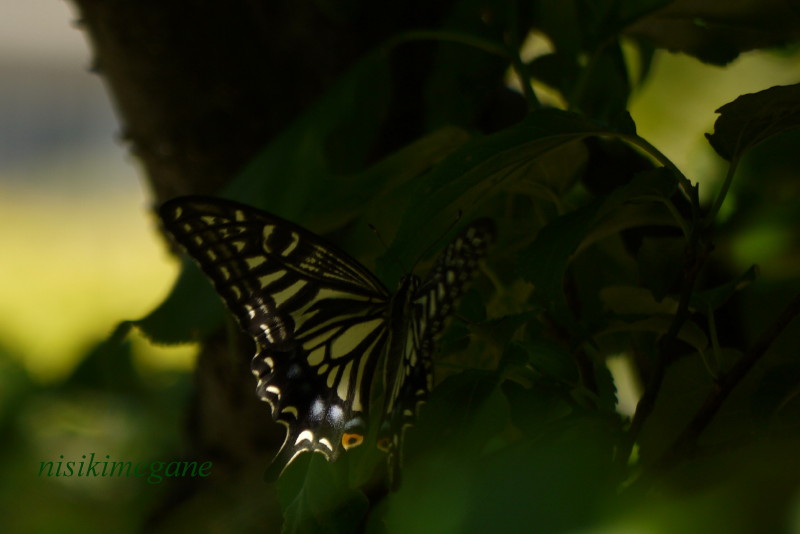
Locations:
column 431, row 302
column 322, row 321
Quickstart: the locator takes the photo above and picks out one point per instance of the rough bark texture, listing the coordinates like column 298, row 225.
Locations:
column 200, row 86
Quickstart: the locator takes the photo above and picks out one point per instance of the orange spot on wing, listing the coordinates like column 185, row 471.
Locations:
column 351, row 440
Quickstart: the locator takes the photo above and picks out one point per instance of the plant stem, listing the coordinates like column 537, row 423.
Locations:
column 687, row 440
column 726, row 185
column 509, row 52
column 645, row 145
column 487, row 46
column 694, row 260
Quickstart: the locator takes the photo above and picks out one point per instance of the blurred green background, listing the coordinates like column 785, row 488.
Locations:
column 81, row 253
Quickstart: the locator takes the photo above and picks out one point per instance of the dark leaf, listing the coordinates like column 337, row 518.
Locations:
column 190, row 312
column 486, row 165
column 457, row 65
column 556, row 70
column 316, row 498
column 605, row 92
column 776, row 402
column 536, row 407
column 544, row 262
column 711, row 299
column 660, row 262
column 717, row 32
column 685, row 385
column 524, row 487
column 463, row 413
column 551, row 360
column 326, row 141
column 502, row 329
column 109, row 365
column 753, row 118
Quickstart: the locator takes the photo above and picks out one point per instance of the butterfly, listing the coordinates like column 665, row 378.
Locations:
column 323, row 324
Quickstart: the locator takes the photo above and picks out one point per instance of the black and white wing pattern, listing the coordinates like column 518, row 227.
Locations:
column 322, row 321
column 408, row 372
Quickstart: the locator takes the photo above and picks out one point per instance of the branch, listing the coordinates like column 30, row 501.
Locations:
column 727, row 382
column 694, row 259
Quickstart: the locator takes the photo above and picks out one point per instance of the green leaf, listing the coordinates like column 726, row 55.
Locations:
column 458, row 65
column 316, row 498
column 536, row 407
column 456, row 430
column 471, row 175
column 502, row 329
column 326, row 141
column 379, row 195
column 544, row 262
column 633, row 300
column 109, row 365
column 461, row 416
column 557, row 70
column 685, row 385
column 660, row 261
column 754, row 118
column 588, row 66
column 717, row 32
column 612, row 162
column 632, row 205
column 655, row 185
column 776, row 402
column 551, row 360
column 552, row 483
column 659, row 324
column 190, row 312
column 712, row 299
column 604, row 93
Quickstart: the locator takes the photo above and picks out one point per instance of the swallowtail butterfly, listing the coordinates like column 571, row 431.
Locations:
column 322, row 321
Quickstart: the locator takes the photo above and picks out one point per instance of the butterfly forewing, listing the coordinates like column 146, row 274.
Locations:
column 318, row 317
column 321, row 321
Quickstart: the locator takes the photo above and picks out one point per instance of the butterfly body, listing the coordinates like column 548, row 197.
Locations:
column 322, row 322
